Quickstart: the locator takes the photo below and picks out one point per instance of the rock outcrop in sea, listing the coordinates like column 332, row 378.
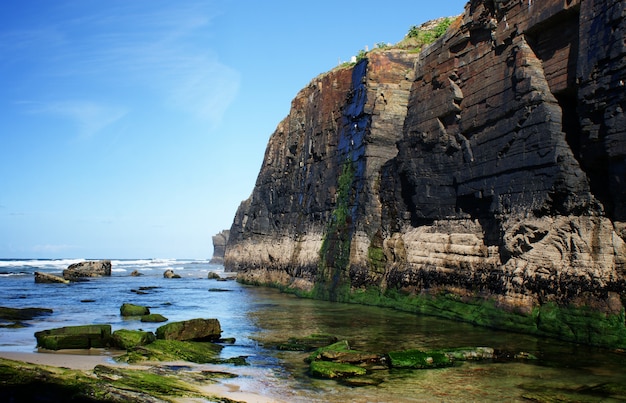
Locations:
column 219, row 246
column 94, row 268
column 481, row 179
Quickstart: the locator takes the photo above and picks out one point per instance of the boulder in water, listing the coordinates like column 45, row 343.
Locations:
column 194, row 329
column 74, row 337
column 169, row 273
column 76, row 271
column 126, row 339
column 133, row 310
column 47, row 278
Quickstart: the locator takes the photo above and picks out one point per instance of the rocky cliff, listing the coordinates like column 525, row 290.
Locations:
column 481, row 179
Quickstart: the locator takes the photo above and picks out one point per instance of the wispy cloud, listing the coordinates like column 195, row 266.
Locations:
column 164, row 52
column 89, row 117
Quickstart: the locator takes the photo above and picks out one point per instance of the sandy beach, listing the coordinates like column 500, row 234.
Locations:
column 86, row 360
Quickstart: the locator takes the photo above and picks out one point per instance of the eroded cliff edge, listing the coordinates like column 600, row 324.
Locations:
column 481, row 179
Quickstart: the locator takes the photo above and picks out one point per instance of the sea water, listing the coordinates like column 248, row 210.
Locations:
column 258, row 318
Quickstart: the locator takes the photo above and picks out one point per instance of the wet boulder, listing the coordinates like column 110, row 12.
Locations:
column 47, row 278
column 127, row 339
column 169, row 273
column 154, row 318
column 74, row 337
column 194, row 329
column 133, row 310
column 418, row 359
column 77, row 271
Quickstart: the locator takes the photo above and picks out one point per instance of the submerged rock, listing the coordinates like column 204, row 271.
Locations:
column 332, row 370
column 13, row 314
column 76, row 271
column 194, row 329
column 307, row 343
column 154, row 318
column 419, row 359
column 75, row 337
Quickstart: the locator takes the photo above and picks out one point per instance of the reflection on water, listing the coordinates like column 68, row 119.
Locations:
column 566, row 369
column 260, row 317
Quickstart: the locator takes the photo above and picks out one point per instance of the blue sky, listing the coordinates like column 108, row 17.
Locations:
column 134, row 128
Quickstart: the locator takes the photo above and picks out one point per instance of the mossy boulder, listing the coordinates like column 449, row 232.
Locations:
column 23, row 382
column 340, row 346
column 19, row 314
column 333, row 370
column 418, row 359
column 194, row 329
column 173, row 350
column 154, row 318
column 133, row 310
column 127, row 339
column 75, row 337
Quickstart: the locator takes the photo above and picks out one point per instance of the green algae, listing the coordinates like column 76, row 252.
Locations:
column 22, row 314
column 340, row 346
column 307, row 343
column 156, row 383
column 568, row 323
column 133, row 310
column 154, row 318
column 75, row 337
column 332, row 282
column 127, row 339
column 418, row 359
column 332, row 370
column 23, row 382
column 173, row 350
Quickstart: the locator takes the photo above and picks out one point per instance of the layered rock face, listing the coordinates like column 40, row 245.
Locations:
column 481, row 179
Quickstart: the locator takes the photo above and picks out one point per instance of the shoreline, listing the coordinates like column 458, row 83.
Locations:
column 86, row 360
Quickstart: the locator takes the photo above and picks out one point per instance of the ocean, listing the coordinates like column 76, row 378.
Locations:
column 259, row 317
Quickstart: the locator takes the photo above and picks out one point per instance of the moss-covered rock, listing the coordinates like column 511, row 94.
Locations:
column 75, row 337
column 194, row 329
column 418, row 359
column 307, row 343
column 154, row 318
column 21, row 314
column 173, row 350
column 133, row 310
column 336, row 347
column 127, row 339
column 332, row 370
column 22, row 382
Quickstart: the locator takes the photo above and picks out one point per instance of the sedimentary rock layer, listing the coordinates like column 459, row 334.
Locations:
column 480, row 179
